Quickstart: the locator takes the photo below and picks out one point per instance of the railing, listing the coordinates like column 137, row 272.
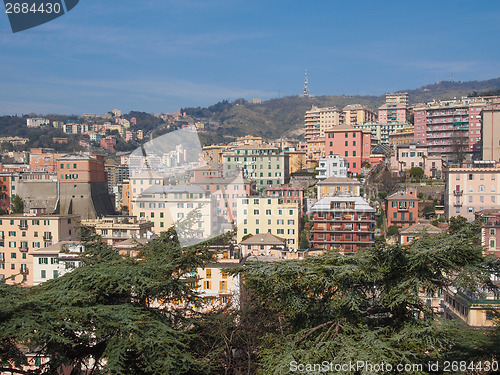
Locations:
column 23, row 249
column 458, row 192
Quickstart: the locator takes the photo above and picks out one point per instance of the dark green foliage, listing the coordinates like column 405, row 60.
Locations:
column 17, row 205
column 107, row 310
column 304, row 240
column 392, row 231
column 365, row 307
column 416, row 172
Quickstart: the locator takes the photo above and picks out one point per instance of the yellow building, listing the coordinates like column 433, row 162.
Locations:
column 318, row 120
column 357, row 114
column 297, row 160
column 116, row 229
column 266, row 215
column 335, row 186
column 474, row 309
column 20, row 235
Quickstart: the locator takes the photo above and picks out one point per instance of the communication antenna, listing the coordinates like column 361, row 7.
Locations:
column 306, row 88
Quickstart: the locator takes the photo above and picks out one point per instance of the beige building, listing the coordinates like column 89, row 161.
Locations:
column 472, row 187
column 140, row 182
column 188, row 207
column 116, row 229
column 217, row 286
column 20, row 235
column 401, row 137
column 382, row 131
column 56, row 260
column 491, row 133
column 318, row 120
column 476, row 309
column 297, row 160
column 267, row 215
column 357, row 114
column 335, row 186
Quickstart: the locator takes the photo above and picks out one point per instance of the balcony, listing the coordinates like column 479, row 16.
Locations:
column 25, row 271
column 23, row 249
column 47, row 237
column 458, row 193
column 23, row 227
column 457, row 205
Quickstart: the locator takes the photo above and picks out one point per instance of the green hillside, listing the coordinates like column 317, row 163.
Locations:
column 284, row 116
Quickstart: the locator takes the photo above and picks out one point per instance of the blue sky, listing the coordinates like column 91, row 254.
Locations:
column 160, row 55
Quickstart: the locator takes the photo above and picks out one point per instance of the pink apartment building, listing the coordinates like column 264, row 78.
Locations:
column 451, row 125
column 470, row 188
column 350, row 143
column 388, row 113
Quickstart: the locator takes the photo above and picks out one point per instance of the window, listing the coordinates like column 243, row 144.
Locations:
column 347, row 153
column 43, row 274
column 207, row 285
column 482, row 187
column 347, row 143
column 492, row 231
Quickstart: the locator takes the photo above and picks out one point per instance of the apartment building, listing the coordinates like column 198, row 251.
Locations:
column 288, row 193
column 475, row 309
column 331, row 166
column 318, row 120
column 471, row 187
column 381, row 131
column 401, row 137
column 490, row 230
column 190, row 208
column 491, row 133
column 266, row 165
column 358, row 114
column 352, row 144
column 116, row 229
column 297, row 159
column 316, row 149
column 401, row 209
column 416, row 155
column 226, row 191
column 20, row 235
column 392, row 113
column 258, row 215
column 56, row 260
column 342, row 223
column 451, row 126
column 336, row 186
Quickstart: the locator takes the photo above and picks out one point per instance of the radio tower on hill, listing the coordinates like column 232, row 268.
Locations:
column 306, row 89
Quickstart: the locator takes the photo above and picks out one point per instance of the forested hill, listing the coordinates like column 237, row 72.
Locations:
column 284, row 116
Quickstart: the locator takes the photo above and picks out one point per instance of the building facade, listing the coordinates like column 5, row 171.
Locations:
column 342, row 223
column 258, row 215
column 472, row 187
column 401, row 209
column 331, row 166
column 318, row 120
column 355, row 114
column 20, row 235
column 350, row 143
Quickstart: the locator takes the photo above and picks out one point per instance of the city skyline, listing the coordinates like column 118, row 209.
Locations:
column 168, row 55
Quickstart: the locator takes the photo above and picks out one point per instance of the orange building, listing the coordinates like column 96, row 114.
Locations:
column 80, row 168
column 401, row 209
column 43, row 159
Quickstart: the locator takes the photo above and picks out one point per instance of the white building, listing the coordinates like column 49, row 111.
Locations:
column 56, row 260
column 333, row 165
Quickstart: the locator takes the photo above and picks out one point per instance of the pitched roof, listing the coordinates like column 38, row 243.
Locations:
column 421, row 227
column 401, row 196
column 339, row 181
column 264, row 239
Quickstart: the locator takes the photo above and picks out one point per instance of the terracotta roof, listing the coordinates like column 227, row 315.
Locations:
column 401, row 196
